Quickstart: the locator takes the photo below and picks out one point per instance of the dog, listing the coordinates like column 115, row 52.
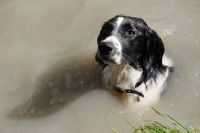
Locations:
column 132, row 56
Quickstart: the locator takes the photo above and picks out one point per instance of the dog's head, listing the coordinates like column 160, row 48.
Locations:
column 129, row 40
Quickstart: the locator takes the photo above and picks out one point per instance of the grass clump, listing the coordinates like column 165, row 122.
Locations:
column 150, row 126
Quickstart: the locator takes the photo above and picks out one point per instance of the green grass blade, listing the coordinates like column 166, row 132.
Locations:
column 161, row 114
column 150, row 126
column 113, row 130
column 178, row 123
column 129, row 123
column 114, row 113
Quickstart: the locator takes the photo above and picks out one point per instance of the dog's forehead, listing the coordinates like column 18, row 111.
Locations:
column 117, row 21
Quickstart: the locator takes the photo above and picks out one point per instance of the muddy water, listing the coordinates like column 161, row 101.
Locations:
column 51, row 83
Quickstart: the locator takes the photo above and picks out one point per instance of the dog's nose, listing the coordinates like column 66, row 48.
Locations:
column 105, row 47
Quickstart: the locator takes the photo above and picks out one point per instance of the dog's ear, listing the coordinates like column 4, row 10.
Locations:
column 154, row 48
column 154, row 51
column 152, row 57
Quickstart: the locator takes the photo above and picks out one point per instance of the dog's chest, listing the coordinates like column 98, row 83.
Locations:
column 123, row 76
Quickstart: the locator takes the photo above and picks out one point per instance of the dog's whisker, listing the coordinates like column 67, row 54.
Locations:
column 131, row 60
column 128, row 57
column 125, row 61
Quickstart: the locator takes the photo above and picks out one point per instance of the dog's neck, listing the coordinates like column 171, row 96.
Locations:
column 124, row 76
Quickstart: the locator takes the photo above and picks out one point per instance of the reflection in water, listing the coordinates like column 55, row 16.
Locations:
column 58, row 87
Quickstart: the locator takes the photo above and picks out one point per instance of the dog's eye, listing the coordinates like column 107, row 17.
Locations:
column 130, row 33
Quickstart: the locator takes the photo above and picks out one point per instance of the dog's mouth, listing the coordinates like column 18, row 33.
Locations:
column 110, row 60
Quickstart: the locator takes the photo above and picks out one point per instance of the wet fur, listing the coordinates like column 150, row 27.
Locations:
column 141, row 60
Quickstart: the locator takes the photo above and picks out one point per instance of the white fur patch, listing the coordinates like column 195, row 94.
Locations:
column 119, row 21
column 117, row 57
column 117, row 45
column 166, row 61
column 115, row 41
column 126, row 77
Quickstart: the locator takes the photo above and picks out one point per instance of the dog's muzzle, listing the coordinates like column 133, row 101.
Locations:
column 106, row 49
column 109, row 50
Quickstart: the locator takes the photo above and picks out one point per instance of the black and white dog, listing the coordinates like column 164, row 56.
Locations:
column 133, row 57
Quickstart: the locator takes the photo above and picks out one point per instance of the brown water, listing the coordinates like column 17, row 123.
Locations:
column 50, row 82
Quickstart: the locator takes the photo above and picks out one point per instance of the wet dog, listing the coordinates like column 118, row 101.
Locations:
column 132, row 54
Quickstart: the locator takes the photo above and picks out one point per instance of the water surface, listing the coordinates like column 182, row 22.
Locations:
column 51, row 83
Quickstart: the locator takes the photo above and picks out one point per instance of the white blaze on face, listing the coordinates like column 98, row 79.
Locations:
column 119, row 21
column 117, row 57
column 113, row 38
